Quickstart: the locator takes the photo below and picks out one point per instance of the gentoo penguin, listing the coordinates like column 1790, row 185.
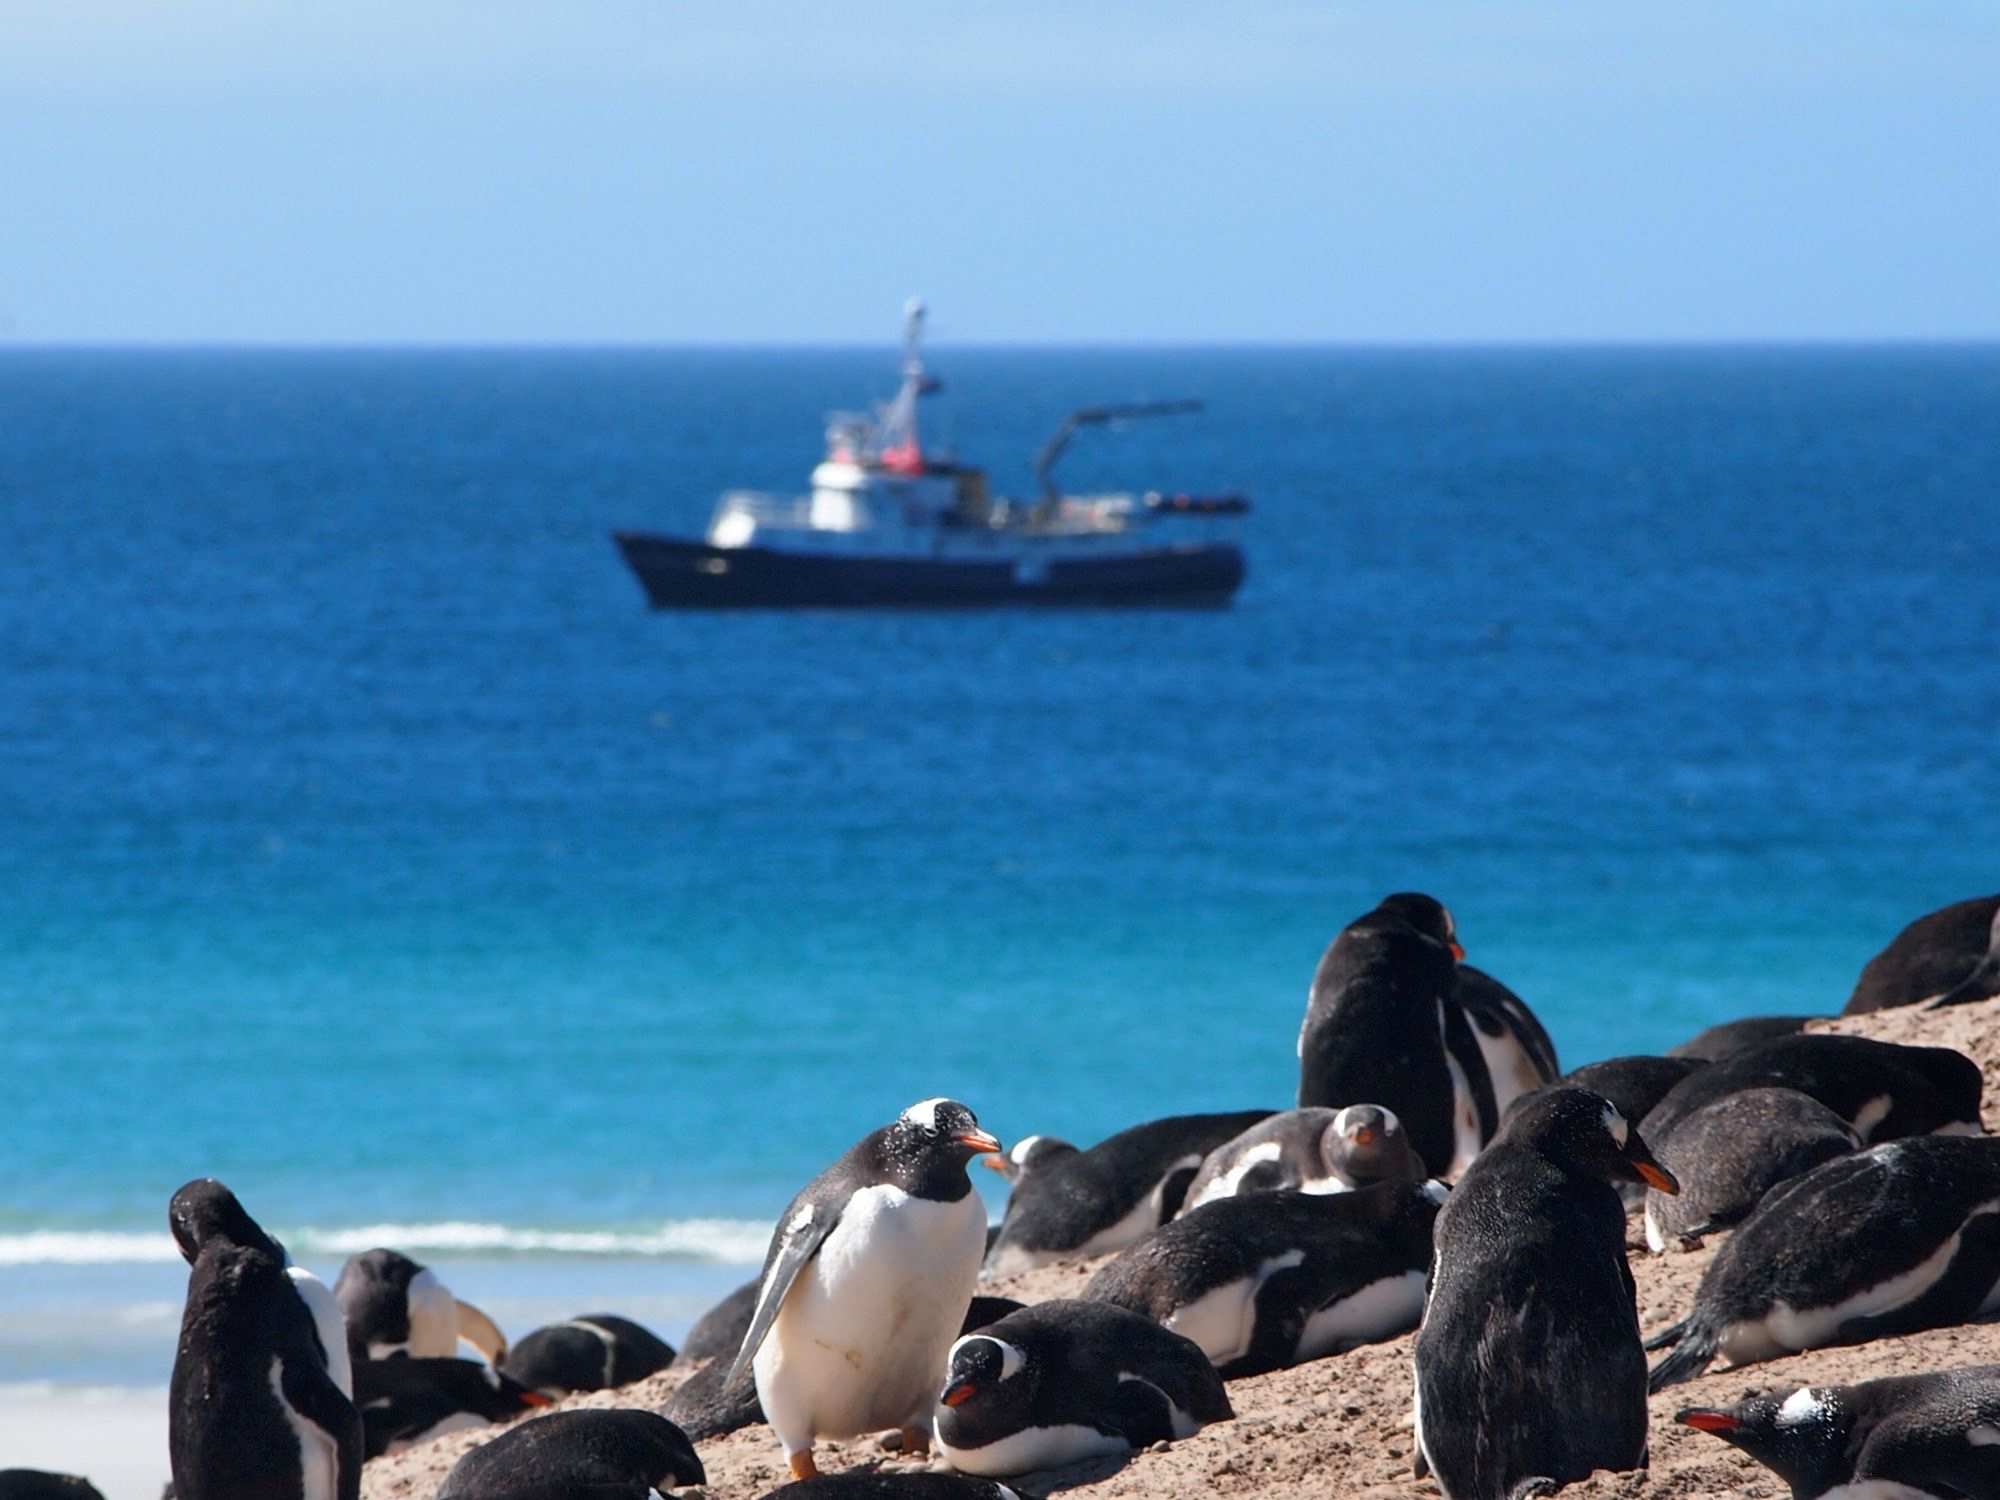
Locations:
column 1266, row 1280
column 259, row 1406
column 888, row 1484
column 1070, row 1204
column 1918, row 1437
column 577, row 1453
column 1881, row 1089
column 596, row 1352
column 718, row 1333
column 1030, row 1153
column 1633, row 1084
column 869, row 1274
column 405, row 1401
column 1918, row 1246
column 1528, row 1360
column 1385, row 1022
column 1727, row 1155
column 1731, row 1037
column 1953, row 952
column 395, row 1306
column 1064, row 1381
column 717, row 1399
column 1311, row 1150
column 40, row 1484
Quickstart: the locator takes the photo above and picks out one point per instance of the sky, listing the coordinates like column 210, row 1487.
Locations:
column 1065, row 171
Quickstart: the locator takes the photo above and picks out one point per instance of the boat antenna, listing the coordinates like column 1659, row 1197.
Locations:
column 1092, row 416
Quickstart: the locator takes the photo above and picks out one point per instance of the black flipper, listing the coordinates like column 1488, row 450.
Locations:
column 1952, row 1299
column 1696, row 1352
column 1281, row 1319
column 310, row 1392
column 797, row 1240
column 1143, row 1413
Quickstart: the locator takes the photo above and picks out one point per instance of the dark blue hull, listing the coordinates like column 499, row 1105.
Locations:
column 680, row 574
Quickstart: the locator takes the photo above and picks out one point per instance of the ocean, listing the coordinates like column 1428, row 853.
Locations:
column 372, row 847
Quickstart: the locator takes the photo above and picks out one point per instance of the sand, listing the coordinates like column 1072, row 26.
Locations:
column 1340, row 1426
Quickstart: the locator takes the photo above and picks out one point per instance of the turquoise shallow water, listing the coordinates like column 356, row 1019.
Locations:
column 372, row 847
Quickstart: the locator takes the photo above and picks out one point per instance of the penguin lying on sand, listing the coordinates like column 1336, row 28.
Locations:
column 1882, row 1089
column 1528, row 1364
column 577, row 1453
column 407, row 1401
column 718, row 1333
column 1950, row 957
column 1069, row 1204
column 1063, row 1381
column 1907, row 1437
column 596, row 1352
column 1731, row 1037
column 259, row 1406
column 1891, row 1240
column 1633, row 1084
column 1729, row 1154
column 395, row 1306
column 869, row 1273
column 1389, row 1018
column 1268, row 1280
column 1310, row 1150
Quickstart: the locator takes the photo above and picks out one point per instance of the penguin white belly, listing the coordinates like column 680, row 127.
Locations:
column 1465, row 1136
column 1223, row 1319
column 1787, row 1330
column 860, row 1342
column 1226, row 1184
column 1032, row 1448
column 1877, row 1489
column 1508, row 1064
column 319, row 1455
column 330, row 1325
column 1377, row 1311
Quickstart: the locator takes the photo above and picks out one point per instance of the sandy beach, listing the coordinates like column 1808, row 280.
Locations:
column 1342, row 1425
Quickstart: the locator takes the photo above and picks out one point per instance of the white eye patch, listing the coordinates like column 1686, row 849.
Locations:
column 1615, row 1126
column 1803, row 1405
column 924, row 1112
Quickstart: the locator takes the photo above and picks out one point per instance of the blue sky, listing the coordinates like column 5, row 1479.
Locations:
column 745, row 170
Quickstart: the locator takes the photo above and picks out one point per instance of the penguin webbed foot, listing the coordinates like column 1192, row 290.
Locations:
column 916, row 1442
column 802, row 1464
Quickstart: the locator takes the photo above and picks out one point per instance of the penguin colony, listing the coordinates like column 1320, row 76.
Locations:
column 1438, row 1173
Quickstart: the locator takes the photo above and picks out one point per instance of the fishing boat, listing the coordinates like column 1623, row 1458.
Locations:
column 888, row 522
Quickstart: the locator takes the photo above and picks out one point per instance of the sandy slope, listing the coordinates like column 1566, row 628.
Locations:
column 1340, row 1426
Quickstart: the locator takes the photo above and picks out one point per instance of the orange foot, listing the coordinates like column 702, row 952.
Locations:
column 802, row 1464
column 916, row 1442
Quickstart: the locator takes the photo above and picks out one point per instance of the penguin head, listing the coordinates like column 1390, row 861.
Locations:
column 1026, row 1155
column 1425, row 915
column 1582, row 1131
column 1365, row 1143
column 989, row 1385
column 931, row 1141
column 1798, row 1432
column 205, row 1212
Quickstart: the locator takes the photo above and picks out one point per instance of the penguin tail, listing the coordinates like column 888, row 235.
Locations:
column 1667, row 1337
column 1694, row 1354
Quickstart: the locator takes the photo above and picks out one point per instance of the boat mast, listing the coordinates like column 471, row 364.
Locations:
column 901, row 446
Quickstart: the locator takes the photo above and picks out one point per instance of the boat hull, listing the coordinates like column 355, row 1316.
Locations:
column 680, row 574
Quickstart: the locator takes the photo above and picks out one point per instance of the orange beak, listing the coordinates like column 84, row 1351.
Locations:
column 536, row 1398
column 1365, row 1136
column 1657, row 1177
column 979, row 1140
column 959, row 1394
column 993, row 1162
column 1701, row 1419
column 1457, row 951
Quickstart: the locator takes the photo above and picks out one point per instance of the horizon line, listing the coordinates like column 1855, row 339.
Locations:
column 533, row 345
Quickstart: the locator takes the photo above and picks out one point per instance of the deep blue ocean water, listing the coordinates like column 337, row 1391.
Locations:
column 370, row 845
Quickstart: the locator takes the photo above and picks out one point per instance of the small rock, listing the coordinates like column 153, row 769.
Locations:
column 1350, row 1411
column 1162, row 1446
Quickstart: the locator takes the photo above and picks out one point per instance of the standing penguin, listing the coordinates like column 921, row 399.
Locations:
column 395, row 1306
column 260, row 1405
column 1529, row 1358
column 1950, row 956
column 1385, row 1021
column 868, row 1277
column 1913, row 1436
